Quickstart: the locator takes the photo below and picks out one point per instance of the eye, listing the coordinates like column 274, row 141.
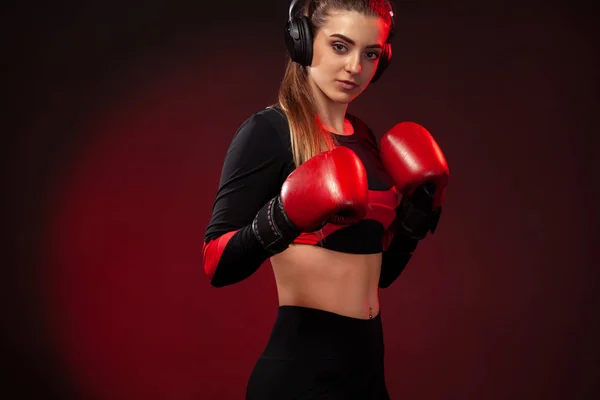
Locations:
column 373, row 55
column 339, row 47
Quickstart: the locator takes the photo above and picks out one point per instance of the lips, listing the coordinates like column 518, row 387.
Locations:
column 350, row 83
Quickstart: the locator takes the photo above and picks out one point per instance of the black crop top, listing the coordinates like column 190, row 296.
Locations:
column 241, row 195
column 257, row 163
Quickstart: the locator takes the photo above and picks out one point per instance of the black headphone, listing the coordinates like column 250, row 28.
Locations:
column 299, row 40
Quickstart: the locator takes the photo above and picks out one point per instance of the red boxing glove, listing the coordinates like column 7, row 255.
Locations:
column 415, row 162
column 329, row 187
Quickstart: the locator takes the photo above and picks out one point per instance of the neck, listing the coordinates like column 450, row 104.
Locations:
column 332, row 115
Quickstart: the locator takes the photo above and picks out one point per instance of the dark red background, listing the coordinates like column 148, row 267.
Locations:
column 122, row 114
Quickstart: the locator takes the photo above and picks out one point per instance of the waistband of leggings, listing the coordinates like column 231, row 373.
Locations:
column 302, row 332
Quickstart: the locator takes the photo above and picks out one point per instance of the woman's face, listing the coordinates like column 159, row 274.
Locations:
column 346, row 52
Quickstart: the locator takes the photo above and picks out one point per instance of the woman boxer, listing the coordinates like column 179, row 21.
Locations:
column 306, row 185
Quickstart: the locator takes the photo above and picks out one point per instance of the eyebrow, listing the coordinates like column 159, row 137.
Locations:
column 352, row 42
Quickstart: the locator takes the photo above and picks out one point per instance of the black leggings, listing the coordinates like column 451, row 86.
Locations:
column 315, row 354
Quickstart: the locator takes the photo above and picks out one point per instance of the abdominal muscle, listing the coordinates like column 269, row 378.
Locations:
column 342, row 283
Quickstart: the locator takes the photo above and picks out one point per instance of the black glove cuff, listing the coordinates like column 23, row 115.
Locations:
column 414, row 222
column 272, row 227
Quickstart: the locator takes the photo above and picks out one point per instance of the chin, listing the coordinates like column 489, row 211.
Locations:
column 342, row 97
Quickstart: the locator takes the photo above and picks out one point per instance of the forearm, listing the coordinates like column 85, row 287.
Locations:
column 414, row 219
column 395, row 258
column 234, row 256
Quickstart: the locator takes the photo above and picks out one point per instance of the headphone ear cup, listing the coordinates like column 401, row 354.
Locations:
column 307, row 42
column 298, row 40
column 384, row 62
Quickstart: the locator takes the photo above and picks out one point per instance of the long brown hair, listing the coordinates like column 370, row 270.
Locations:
column 295, row 96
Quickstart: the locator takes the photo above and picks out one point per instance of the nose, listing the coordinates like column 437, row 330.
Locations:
column 353, row 64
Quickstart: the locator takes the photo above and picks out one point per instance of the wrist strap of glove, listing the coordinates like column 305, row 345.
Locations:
column 272, row 227
column 415, row 214
column 416, row 223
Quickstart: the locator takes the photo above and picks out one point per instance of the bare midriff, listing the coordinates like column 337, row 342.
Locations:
column 341, row 283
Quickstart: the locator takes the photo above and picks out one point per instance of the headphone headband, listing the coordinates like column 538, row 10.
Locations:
column 392, row 21
column 292, row 5
column 387, row 2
